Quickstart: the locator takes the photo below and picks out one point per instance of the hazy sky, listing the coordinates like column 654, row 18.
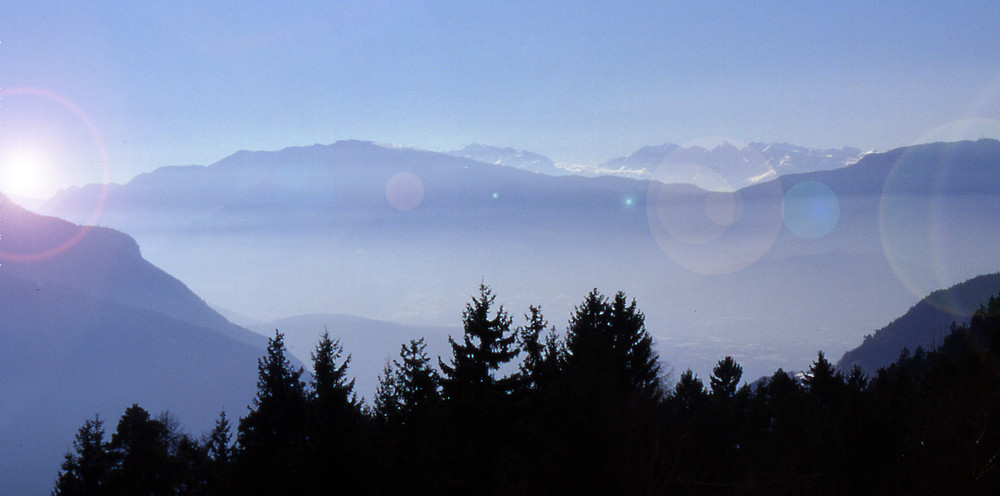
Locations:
column 189, row 83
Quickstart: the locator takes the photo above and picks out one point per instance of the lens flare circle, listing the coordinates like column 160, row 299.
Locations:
column 921, row 236
column 934, row 210
column 810, row 209
column 82, row 231
column 723, row 207
column 963, row 129
column 718, row 226
column 404, row 191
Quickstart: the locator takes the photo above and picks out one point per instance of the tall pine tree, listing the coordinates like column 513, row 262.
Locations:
column 470, row 380
column 272, row 436
column 477, row 400
column 83, row 471
column 608, row 351
column 335, row 419
column 725, row 378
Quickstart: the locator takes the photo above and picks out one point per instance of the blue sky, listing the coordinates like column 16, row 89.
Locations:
column 582, row 82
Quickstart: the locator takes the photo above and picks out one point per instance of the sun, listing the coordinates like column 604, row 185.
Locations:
column 22, row 174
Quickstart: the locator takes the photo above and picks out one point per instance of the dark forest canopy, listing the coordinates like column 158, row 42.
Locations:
column 523, row 411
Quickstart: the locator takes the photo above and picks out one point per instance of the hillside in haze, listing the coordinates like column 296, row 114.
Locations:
column 405, row 235
column 89, row 327
column 924, row 325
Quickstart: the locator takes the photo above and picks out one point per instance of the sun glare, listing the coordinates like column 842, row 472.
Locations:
column 22, row 174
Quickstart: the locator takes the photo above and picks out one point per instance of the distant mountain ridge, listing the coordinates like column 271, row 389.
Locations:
column 311, row 229
column 722, row 167
column 925, row 325
column 93, row 327
column 509, row 157
column 727, row 166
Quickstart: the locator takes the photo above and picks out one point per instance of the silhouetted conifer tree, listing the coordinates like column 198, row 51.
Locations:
column 83, row 471
column 721, row 419
column 633, row 347
column 408, row 405
column 784, row 407
column 689, row 392
column 608, row 348
column 487, row 344
column 725, row 378
column 272, row 436
column 193, row 471
column 335, row 437
column 609, row 387
column 477, row 401
column 387, row 402
column 332, row 392
column 219, row 449
column 529, row 339
column 219, row 441
column 823, row 382
column 418, row 382
column 141, row 456
column 857, row 381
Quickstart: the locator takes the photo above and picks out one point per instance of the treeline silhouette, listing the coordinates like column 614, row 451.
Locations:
column 524, row 411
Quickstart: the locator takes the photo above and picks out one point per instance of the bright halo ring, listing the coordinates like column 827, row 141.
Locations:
column 82, row 116
column 705, row 221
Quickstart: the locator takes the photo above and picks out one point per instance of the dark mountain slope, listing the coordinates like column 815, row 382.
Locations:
column 925, row 324
column 90, row 327
column 102, row 262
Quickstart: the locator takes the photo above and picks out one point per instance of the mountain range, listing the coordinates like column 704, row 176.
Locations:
column 509, row 157
column 722, row 167
column 763, row 273
column 308, row 230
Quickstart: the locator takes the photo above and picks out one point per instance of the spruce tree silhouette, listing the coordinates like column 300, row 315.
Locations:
column 83, row 471
column 332, row 394
column 469, row 381
column 609, row 386
column 418, row 383
column 219, row 449
column 140, row 453
column 823, row 383
column 477, row 401
column 386, row 404
column 722, row 419
column 335, row 420
column 272, row 436
column 529, row 340
column 725, row 378
column 408, row 407
column 689, row 393
column 633, row 347
column 609, row 354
